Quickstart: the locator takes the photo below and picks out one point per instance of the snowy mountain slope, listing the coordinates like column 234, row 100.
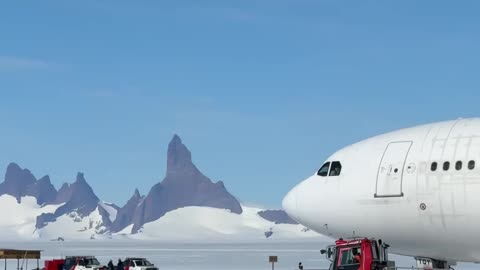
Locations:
column 202, row 224
column 110, row 210
column 18, row 219
column 75, row 226
column 213, row 224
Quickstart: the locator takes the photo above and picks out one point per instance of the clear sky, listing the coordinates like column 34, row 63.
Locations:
column 260, row 91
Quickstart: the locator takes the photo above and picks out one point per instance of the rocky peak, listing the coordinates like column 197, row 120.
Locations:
column 80, row 178
column 126, row 213
column 277, row 216
column 43, row 190
column 21, row 182
column 79, row 190
column 44, row 180
column 136, row 195
column 178, row 156
column 77, row 197
column 184, row 185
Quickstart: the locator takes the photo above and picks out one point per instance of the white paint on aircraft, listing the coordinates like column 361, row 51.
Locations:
column 416, row 188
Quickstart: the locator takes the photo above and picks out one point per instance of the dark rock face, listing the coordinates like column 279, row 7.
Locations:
column 21, row 182
column 78, row 197
column 184, row 185
column 43, row 190
column 126, row 213
column 105, row 217
column 277, row 216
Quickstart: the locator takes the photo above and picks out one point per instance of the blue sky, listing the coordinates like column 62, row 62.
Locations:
column 260, row 91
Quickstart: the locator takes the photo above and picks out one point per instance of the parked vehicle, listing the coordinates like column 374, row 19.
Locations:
column 138, row 264
column 82, row 263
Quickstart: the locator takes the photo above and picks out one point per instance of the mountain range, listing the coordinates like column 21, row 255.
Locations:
column 185, row 195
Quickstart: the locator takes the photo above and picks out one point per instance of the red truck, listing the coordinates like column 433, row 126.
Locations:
column 358, row 254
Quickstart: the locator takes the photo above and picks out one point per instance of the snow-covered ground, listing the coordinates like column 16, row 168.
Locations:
column 191, row 256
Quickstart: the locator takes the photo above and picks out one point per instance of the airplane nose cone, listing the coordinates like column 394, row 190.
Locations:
column 289, row 203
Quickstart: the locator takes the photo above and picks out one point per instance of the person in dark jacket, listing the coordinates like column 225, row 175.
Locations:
column 300, row 266
column 120, row 265
column 110, row 265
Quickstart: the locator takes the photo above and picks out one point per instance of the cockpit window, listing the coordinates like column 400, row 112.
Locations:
column 336, row 168
column 323, row 171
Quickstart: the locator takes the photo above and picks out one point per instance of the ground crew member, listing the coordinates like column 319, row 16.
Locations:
column 110, row 265
column 356, row 256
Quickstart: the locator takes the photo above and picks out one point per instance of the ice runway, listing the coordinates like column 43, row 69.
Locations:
column 183, row 256
column 193, row 256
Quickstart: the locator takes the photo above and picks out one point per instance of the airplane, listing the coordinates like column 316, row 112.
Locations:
column 418, row 189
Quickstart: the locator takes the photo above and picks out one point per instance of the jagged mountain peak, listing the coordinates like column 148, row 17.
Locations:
column 136, row 194
column 45, row 179
column 80, row 178
column 21, row 182
column 78, row 190
column 16, row 174
column 178, row 156
column 78, row 197
column 13, row 167
column 126, row 214
column 184, row 185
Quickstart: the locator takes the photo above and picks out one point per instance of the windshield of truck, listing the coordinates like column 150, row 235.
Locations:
column 349, row 256
column 142, row 263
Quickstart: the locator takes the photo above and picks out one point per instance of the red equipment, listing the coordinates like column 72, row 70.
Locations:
column 54, row 264
column 358, row 254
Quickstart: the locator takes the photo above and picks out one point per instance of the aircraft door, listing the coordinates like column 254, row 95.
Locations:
column 391, row 170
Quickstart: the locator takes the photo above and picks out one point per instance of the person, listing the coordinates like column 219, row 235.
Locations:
column 356, row 256
column 300, row 266
column 110, row 265
column 120, row 265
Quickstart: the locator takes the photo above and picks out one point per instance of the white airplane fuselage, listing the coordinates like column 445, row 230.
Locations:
column 389, row 188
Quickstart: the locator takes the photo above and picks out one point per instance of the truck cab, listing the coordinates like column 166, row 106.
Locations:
column 358, row 254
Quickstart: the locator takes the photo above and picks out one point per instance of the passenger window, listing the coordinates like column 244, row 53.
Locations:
column 458, row 165
column 336, row 168
column 446, row 166
column 433, row 167
column 324, row 169
column 471, row 164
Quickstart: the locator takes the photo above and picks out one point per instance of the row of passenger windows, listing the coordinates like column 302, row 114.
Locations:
column 458, row 165
column 334, row 170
